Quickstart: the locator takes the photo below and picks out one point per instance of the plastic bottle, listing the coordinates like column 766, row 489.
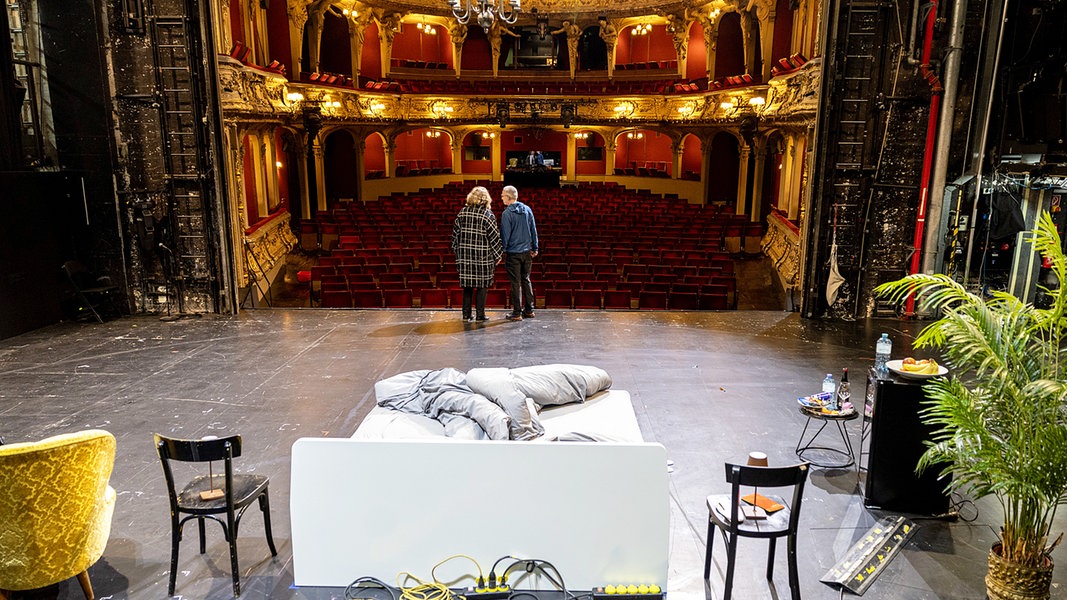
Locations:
column 844, row 392
column 882, row 349
column 828, row 384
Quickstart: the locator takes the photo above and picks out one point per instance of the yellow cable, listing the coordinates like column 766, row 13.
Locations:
column 478, row 566
column 423, row 590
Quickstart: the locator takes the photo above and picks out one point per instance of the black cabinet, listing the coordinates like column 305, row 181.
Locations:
column 895, row 439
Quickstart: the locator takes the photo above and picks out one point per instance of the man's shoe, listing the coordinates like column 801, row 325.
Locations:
column 514, row 317
column 528, row 315
column 481, row 318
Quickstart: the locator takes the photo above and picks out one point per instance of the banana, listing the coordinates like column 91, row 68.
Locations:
column 926, row 366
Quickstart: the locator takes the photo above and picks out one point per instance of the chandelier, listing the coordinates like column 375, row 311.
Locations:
column 485, row 12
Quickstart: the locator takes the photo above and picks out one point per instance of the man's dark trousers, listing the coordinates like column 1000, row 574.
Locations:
column 518, row 266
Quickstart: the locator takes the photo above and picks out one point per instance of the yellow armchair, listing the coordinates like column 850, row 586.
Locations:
column 55, row 509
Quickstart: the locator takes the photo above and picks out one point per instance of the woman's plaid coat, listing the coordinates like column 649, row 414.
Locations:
column 476, row 242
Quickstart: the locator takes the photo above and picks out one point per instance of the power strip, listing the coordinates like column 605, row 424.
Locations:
column 486, row 593
column 623, row 592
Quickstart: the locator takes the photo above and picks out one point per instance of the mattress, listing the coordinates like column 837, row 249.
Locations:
column 606, row 416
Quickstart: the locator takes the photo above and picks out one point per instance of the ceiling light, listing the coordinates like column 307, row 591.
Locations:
column 485, row 12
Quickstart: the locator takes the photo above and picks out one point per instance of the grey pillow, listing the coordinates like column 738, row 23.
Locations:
column 551, row 385
column 498, row 385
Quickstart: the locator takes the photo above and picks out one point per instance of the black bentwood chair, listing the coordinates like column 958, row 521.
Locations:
column 222, row 498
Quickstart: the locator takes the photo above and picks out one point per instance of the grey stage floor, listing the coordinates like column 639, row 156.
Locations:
column 710, row 387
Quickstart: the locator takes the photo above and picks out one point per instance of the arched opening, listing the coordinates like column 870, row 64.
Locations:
column 336, row 56
column 477, row 56
column 370, row 60
column 592, row 50
column 724, row 162
column 374, row 156
column 423, row 152
column 692, row 157
column 730, row 49
column 589, row 153
column 782, row 43
column 421, row 46
column 533, row 156
column 339, row 161
column 644, row 153
column 478, row 152
column 696, row 65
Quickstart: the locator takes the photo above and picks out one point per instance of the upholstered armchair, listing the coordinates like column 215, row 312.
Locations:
column 55, row 509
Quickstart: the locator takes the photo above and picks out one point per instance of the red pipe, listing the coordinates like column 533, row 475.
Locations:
column 928, row 155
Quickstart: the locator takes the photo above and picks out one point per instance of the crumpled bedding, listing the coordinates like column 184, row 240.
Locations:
column 490, row 403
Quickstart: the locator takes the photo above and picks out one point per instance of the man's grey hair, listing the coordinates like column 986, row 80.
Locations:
column 509, row 191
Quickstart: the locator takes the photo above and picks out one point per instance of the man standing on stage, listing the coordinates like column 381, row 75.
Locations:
column 518, row 231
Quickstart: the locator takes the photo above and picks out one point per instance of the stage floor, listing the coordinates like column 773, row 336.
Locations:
column 710, row 387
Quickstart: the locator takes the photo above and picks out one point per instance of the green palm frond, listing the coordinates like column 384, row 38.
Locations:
column 1001, row 421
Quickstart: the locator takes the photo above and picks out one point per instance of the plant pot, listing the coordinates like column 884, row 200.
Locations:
column 1009, row 581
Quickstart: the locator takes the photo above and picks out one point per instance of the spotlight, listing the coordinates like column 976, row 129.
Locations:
column 566, row 114
column 503, row 114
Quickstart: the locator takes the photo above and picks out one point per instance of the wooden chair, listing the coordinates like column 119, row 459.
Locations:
column 723, row 516
column 201, row 499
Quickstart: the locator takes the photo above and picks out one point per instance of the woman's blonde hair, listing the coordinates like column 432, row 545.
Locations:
column 479, row 196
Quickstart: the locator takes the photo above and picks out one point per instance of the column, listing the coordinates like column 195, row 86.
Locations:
column 711, row 42
column 312, row 126
column 361, row 170
column 494, row 156
column 457, row 153
column 320, row 177
column 786, row 196
column 609, row 156
column 356, row 34
column 676, row 160
column 705, row 168
column 766, row 32
column 316, row 14
column 259, row 173
column 389, row 147
column 270, row 164
column 760, row 154
column 388, row 26
column 223, row 35
column 742, row 180
column 305, row 195
column 236, row 156
column 298, row 16
column 571, row 170
column 747, row 20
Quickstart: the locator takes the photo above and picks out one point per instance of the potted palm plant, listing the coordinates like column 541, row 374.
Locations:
column 1001, row 420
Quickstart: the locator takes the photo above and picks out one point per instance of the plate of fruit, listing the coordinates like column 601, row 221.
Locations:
column 911, row 368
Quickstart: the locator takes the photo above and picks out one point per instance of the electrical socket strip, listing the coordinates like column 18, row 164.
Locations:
column 487, row 593
column 623, row 592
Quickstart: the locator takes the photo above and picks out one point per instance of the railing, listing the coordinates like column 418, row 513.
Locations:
column 782, row 244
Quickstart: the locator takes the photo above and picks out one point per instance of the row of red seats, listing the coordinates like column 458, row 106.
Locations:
column 553, row 298
column 339, row 279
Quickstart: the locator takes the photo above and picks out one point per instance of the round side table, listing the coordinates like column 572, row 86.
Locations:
column 848, row 456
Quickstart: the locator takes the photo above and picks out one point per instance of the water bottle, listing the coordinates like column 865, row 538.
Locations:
column 882, row 349
column 828, row 384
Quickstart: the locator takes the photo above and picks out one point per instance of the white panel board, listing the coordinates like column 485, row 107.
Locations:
column 598, row 511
